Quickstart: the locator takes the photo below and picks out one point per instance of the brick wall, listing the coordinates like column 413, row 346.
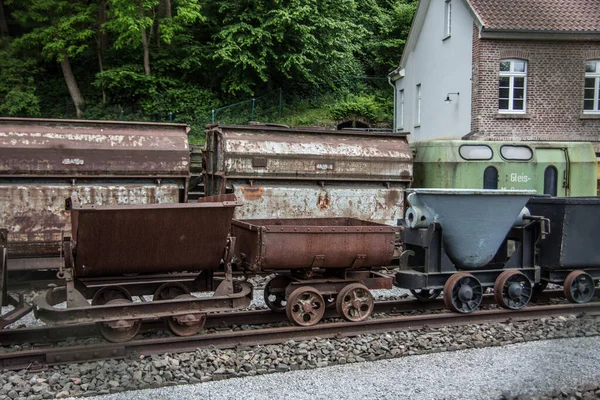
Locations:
column 555, row 82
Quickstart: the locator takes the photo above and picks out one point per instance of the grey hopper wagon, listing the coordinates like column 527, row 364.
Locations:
column 458, row 241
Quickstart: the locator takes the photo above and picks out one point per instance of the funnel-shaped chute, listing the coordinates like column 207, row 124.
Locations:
column 474, row 222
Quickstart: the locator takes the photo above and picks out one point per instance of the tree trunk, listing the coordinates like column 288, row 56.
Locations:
column 72, row 85
column 101, row 40
column 145, row 44
column 3, row 24
column 168, row 12
column 146, row 52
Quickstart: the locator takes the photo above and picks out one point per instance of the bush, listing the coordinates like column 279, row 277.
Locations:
column 355, row 107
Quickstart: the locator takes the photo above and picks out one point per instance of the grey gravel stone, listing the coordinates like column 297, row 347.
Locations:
column 488, row 373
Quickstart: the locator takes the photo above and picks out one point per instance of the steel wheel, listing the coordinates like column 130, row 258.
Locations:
column 188, row 324
column 579, row 287
column 120, row 330
column 512, row 290
column 274, row 293
column 305, row 306
column 463, row 293
column 426, row 295
column 170, row 290
column 355, row 302
column 108, row 293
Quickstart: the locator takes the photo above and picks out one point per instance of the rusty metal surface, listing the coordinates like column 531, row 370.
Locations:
column 34, row 212
column 76, row 148
column 44, row 307
column 272, row 244
column 371, row 202
column 262, row 152
column 156, row 238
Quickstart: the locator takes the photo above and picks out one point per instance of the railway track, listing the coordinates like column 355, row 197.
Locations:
column 44, row 354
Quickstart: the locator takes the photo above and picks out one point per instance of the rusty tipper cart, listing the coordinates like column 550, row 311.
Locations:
column 152, row 241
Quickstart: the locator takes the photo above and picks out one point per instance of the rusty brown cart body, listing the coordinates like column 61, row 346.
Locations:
column 329, row 261
column 150, row 240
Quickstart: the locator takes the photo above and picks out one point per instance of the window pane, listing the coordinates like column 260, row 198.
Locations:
column 519, row 82
column 504, row 93
column 503, row 104
column 519, row 66
column 490, row 178
column 550, row 180
column 505, row 66
column 516, row 152
column 475, row 152
column 588, row 94
column 589, row 82
column 517, row 104
column 505, row 81
column 590, row 67
column 518, row 93
column 588, row 104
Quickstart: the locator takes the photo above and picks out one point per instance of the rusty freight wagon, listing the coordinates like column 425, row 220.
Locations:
column 44, row 161
column 282, row 172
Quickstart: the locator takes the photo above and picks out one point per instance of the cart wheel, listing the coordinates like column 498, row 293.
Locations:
column 463, row 293
column 188, row 324
column 274, row 293
column 170, row 290
column 355, row 302
column 122, row 330
column 512, row 289
column 426, row 295
column 579, row 287
column 305, row 306
column 108, row 293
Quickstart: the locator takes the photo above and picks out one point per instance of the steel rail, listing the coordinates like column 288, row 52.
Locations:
column 50, row 334
column 43, row 357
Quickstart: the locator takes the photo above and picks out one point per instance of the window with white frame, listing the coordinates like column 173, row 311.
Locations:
column 591, row 91
column 512, row 86
column 448, row 18
column 418, row 107
column 401, row 111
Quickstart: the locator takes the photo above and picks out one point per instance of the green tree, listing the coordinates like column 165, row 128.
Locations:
column 135, row 22
column 258, row 41
column 388, row 23
column 18, row 96
column 61, row 29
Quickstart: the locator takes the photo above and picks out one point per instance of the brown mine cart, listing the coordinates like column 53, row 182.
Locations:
column 331, row 262
column 110, row 241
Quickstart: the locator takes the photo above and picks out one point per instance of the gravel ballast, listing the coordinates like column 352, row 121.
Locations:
column 205, row 365
column 490, row 373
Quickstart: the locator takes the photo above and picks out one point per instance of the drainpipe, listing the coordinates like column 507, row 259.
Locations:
column 395, row 108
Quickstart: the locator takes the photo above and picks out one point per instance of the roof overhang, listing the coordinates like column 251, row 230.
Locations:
column 513, row 34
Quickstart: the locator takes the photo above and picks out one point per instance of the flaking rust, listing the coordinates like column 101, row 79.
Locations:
column 309, row 172
column 44, row 161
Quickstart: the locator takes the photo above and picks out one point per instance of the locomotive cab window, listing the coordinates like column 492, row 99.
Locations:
column 475, row 152
column 551, row 180
column 517, row 153
column 490, row 178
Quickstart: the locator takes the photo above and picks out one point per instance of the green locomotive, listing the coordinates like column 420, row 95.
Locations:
column 555, row 168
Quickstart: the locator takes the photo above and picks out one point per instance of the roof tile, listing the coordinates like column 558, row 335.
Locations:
column 540, row 15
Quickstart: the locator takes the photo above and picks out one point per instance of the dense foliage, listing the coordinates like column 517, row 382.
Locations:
column 161, row 59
